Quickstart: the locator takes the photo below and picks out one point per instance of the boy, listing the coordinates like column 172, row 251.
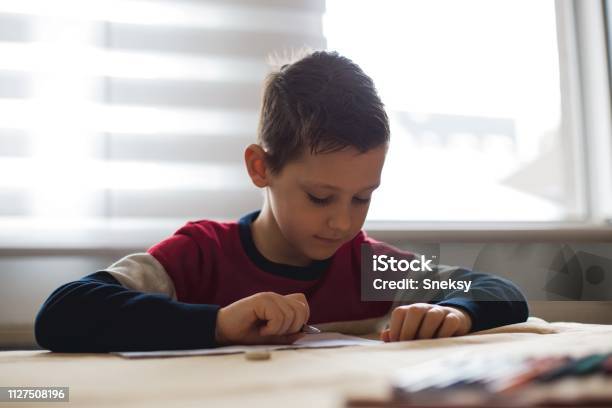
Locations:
column 323, row 136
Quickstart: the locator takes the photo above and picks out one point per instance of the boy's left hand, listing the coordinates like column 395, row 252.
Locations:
column 426, row 321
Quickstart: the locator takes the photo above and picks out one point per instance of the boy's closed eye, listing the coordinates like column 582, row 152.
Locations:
column 328, row 200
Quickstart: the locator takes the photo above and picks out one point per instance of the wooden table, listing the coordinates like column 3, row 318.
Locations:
column 306, row 377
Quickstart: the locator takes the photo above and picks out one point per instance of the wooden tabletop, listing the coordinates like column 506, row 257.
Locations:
column 306, row 377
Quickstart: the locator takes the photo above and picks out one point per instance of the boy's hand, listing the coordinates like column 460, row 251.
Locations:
column 426, row 321
column 263, row 318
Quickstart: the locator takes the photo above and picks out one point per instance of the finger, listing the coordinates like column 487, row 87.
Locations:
column 300, row 312
column 384, row 335
column 449, row 326
column 431, row 322
column 288, row 314
column 395, row 323
column 300, row 297
column 412, row 322
column 269, row 311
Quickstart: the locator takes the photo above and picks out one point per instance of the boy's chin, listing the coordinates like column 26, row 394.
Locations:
column 320, row 254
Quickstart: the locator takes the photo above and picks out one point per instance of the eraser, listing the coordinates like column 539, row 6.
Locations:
column 257, row 355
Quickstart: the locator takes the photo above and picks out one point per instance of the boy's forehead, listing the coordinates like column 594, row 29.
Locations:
column 345, row 169
column 346, row 157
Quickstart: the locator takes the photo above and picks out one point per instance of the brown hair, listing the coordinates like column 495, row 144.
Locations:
column 323, row 102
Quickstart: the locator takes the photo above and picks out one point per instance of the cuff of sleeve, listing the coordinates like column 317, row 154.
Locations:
column 472, row 308
column 195, row 325
column 155, row 322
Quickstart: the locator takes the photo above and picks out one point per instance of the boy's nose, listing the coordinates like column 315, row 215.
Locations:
column 340, row 222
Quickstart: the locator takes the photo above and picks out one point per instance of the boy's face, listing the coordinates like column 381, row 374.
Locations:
column 321, row 201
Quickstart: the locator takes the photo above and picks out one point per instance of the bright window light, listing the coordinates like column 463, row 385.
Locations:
column 472, row 89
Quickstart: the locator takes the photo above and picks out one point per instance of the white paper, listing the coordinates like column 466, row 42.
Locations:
column 319, row 340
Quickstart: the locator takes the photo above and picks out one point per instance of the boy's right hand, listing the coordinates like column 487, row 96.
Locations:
column 263, row 318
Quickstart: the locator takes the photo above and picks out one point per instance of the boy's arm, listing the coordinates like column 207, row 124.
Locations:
column 492, row 301
column 131, row 305
column 98, row 314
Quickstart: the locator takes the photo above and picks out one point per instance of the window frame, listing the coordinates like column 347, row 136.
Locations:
column 586, row 126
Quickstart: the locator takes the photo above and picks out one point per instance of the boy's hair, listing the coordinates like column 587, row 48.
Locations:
column 322, row 101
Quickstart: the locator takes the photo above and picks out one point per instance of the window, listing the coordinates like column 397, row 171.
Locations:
column 120, row 120
column 123, row 116
column 473, row 91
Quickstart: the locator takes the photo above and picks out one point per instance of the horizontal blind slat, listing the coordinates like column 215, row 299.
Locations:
column 212, row 14
column 203, row 41
column 152, row 92
column 88, row 175
column 15, row 202
column 188, row 204
column 297, row 5
column 172, row 147
column 128, row 119
column 37, row 57
column 14, row 84
column 15, row 27
column 14, row 143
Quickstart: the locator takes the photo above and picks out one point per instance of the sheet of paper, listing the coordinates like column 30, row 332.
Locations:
column 319, row 340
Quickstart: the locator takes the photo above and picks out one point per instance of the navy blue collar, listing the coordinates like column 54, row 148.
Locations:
column 310, row 272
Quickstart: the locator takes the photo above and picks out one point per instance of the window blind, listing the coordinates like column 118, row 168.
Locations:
column 135, row 111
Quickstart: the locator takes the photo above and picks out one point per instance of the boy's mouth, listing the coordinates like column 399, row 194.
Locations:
column 328, row 240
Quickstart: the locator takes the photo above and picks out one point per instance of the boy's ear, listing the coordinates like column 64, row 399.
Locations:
column 254, row 158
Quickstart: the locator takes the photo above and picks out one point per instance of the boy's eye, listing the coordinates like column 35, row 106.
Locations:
column 327, row 200
column 362, row 200
column 317, row 200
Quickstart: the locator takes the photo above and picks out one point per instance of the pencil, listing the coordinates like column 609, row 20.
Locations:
column 310, row 329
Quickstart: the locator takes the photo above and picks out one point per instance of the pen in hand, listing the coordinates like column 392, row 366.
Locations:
column 310, row 329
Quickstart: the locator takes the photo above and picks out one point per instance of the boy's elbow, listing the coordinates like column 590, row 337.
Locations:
column 518, row 302
column 42, row 333
column 521, row 305
column 52, row 326
column 522, row 311
column 46, row 332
